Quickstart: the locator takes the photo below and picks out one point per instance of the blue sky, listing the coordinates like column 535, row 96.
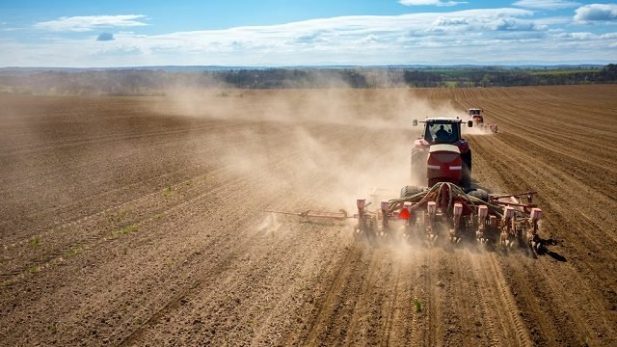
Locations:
column 306, row 32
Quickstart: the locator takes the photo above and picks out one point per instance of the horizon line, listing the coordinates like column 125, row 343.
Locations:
column 316, row 66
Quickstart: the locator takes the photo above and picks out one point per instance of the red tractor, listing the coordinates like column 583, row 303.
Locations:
column 445, row 206
column 476, row 116
column 442, row 153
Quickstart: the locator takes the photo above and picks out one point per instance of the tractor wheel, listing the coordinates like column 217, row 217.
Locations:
column 480, row 194
column 407, row 191
column 466, row 179
column 466, row 157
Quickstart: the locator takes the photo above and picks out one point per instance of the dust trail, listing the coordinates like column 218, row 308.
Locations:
column 379, row 123
column 476, row 129
column 319, row 149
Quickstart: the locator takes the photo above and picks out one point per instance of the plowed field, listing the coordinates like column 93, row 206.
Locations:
column 138, row 220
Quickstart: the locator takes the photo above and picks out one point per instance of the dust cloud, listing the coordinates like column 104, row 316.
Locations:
column 326, row 147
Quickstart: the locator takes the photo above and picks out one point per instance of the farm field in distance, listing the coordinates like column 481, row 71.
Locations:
column 139, row 220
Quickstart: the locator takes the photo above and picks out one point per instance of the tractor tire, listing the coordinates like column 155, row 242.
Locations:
column 408, row 191
column 480, row 194
column 466, row 179
column 466, row 157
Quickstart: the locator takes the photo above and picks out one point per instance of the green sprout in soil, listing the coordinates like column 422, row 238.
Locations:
column 73, row 251
column 418, row 304
column 35, row 242
column 129, row 229
column 34, row 269
column 167, row 191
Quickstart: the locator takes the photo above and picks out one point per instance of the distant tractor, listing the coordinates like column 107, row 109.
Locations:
column 476, row 116
column 442, row 153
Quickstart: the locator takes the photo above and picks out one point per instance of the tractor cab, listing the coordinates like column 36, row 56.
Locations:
column 442, row 152
column 440, row 131
column 474, row 112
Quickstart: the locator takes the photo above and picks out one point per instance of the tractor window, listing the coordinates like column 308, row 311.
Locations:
column 442, row 133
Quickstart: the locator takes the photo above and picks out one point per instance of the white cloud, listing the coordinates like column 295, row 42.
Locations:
column 89, row 23
column 430, row 3
column 596, row 12
column 546, row 4
column 483, row 36
column 578, row 36
column 450, row 21
column 513, row 24
column 348, row 33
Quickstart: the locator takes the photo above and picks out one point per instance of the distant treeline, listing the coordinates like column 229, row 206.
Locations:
column 158, row 81
column 499, row 77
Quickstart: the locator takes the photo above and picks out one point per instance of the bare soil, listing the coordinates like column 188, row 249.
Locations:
column 138, row 221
